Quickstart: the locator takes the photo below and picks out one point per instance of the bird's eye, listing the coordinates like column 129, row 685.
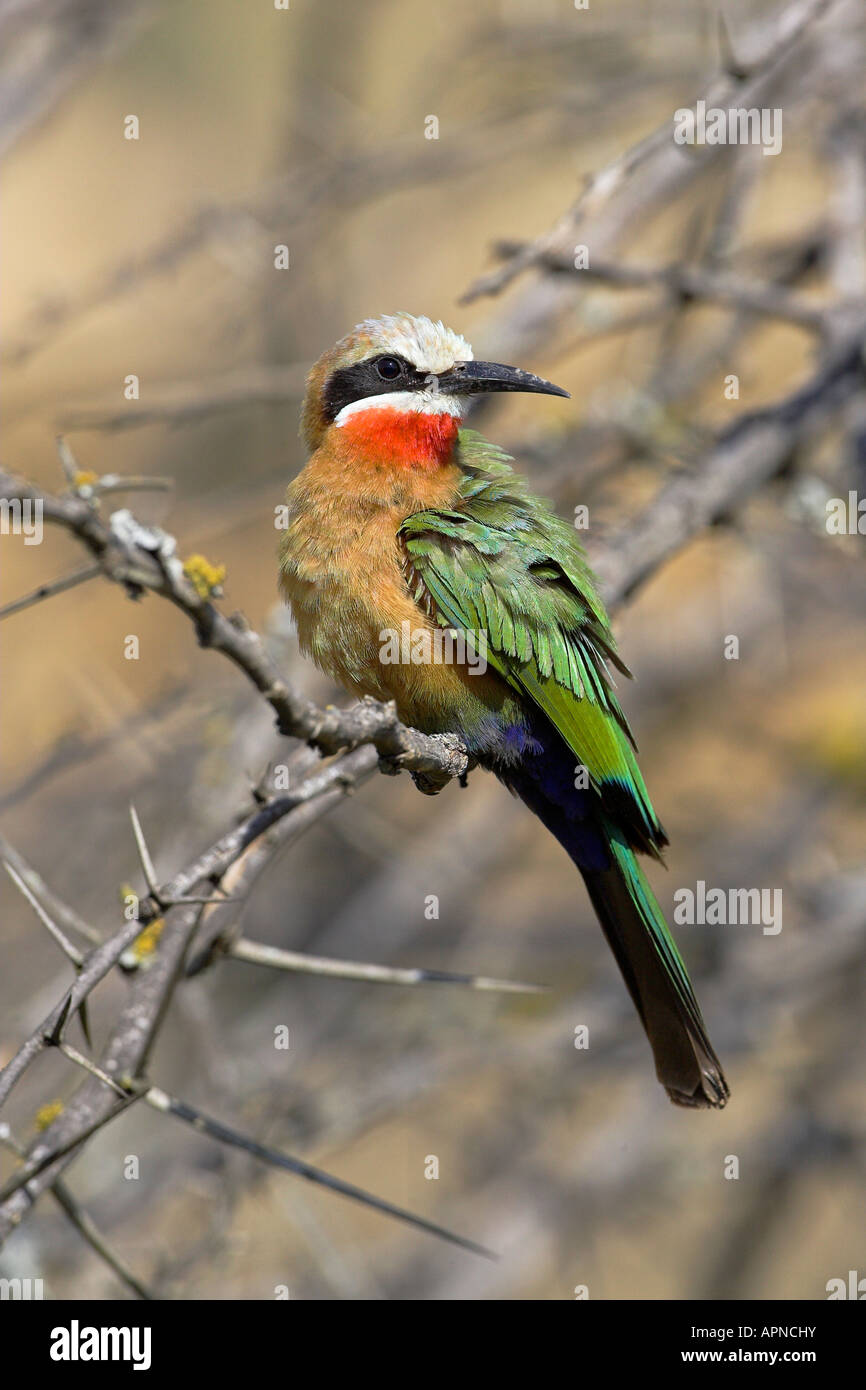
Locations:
column 389, row 368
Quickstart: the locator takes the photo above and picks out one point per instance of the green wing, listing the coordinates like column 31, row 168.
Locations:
column 503, row 564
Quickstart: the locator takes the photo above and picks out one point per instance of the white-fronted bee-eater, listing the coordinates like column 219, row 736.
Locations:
column 402, row 521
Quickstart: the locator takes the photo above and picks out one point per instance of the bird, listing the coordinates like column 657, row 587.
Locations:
column 405, row 520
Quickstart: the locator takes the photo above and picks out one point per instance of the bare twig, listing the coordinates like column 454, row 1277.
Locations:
column 726, row 288
column 56, row 586
column 87, row 1228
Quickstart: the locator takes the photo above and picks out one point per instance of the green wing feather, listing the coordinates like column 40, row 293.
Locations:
column 504, row 564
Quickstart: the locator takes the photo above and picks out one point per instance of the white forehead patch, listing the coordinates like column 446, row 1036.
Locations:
column 427, row 345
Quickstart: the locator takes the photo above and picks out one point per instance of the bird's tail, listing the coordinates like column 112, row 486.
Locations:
column 633, row 923
column 657, row 979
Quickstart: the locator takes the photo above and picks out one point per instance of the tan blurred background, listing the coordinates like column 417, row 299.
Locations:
column 155, row 257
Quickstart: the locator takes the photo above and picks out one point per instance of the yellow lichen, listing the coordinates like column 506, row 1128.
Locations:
column 47, row 1114
column 147, row 941
column 205, row 578
column 84, row 478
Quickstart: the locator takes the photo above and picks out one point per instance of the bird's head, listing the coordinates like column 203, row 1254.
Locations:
column 400, row 384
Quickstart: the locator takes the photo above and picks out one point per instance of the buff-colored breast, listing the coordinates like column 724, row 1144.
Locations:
column 342, row 574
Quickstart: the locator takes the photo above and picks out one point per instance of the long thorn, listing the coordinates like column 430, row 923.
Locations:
column 59, row 910
column 144, row 855
column 68, row 461
column 256, row 953
column 56, row 586
column 205, row 1125
column 81, row 1061
column 69, row 950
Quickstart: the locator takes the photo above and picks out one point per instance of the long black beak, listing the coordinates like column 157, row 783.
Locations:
column 470, row 378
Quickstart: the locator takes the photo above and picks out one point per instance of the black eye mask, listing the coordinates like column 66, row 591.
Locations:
column 371, row 378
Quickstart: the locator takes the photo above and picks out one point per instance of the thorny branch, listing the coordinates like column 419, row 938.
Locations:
column 143, row 558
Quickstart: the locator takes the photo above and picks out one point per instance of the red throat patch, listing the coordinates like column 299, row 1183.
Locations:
column 407, row 437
